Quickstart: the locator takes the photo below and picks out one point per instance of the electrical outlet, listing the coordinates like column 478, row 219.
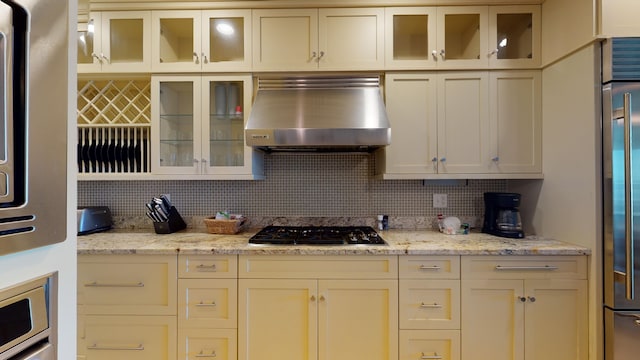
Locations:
column 439, row 200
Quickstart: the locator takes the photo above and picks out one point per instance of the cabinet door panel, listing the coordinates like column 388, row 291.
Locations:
column 555, row 320
column 277, row 319
column 126, row 45
column 433, row 304
column 514, row 36
column 176, row 40
column 410, row 37
column 463, row 123
column 492, row 321
column 285, row 39
column 207, row 303
column 429, row 344
column 358, row 319
column 197, row 344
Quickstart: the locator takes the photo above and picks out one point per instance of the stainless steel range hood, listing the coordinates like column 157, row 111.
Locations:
column 318, row 114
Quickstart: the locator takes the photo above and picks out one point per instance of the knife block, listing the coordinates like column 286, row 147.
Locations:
column 173, row 224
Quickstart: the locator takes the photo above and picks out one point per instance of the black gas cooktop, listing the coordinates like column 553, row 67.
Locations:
column 317, row 235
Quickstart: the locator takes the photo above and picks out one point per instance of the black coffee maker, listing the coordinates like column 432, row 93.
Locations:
column 501, row 215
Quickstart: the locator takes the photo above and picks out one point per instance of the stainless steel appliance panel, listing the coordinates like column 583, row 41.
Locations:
column 621, row 142
column 622, row 331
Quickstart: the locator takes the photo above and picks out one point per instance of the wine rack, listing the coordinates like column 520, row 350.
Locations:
column 114, row 126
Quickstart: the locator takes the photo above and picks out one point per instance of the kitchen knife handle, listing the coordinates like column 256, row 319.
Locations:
column 628, row 202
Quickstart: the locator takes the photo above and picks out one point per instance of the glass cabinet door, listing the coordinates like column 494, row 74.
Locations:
column 176, row 41
column 410, row 37
column 226, row 102
column 125, row 41
column 175, row 125
column 226, row 40
column 89, row 50
column 514, row 36
column 462, row 36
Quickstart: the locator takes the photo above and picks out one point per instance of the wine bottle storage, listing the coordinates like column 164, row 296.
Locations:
column 114, row 149
column 114, row 102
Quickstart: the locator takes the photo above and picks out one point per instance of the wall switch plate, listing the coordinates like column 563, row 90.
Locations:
column 439, row 200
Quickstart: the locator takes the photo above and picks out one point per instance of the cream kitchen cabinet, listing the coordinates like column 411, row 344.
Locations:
column 462, row 37
column 318, row 307
column 197, row 127
column 127, row 307
column 524, row 308
column 429, row 307
column 116, row 42
column 463, row 125
column 200, row 41
column 207, row 307
column 312, row 39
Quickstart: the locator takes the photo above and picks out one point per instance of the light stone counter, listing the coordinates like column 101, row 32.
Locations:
column 400, row 242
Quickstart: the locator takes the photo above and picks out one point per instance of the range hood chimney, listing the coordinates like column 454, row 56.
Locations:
column 318, row 114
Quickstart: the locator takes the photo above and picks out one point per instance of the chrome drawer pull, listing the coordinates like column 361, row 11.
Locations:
column 433, row 267
column 430, row 306
column 545, row 268
column 202, row 303
column 135, row 348
column 203, row 355
column 204, row 267
column 434, row 356
column 97, row 284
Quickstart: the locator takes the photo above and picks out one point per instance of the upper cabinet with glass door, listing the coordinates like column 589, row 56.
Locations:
column 198, row 41
column 115, row 41
column 462, row 37
column 514, row 36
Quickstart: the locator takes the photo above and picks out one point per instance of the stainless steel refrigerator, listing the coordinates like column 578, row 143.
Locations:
column 621, row 182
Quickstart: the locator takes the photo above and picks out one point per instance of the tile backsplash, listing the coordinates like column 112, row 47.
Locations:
column 297, row 185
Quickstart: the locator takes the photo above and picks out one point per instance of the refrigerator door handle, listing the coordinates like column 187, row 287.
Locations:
column 628, row 201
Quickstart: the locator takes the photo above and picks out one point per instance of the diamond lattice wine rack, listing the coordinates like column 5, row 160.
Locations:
column 114, row 126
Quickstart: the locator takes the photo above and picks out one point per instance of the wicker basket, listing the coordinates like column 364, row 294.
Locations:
column 227, row 227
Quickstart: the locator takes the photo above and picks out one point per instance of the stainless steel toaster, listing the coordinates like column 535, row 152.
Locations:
column 93, row 219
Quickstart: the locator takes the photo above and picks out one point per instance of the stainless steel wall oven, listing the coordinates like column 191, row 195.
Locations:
column 33, row 123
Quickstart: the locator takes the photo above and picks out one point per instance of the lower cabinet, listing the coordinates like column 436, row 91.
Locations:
column 317, row 316
column 127, row 307
column 529, row 308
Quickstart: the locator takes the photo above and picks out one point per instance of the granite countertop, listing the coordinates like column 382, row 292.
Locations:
column 400, row 242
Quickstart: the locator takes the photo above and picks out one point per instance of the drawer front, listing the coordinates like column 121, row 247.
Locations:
column 429, row 267
column 208, row 303
column 131, row 284
column 207, row 266
column 313, row 267
column 432, row 304
column 198, row 344
column 429, row 344
column 127, row 337
column 524, row 267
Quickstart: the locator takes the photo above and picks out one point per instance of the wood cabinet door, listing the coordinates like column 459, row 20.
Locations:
column 176, row 40
column 514, row 36
column 351, row 39
column 516, row 121
column 556, row 319
column 411, row 107
column 463, row 123
column 285, row 39
column 462, row 35
column 493, row 319
column 410, row 38
column 358, row 319
column 277, row 319
column 126, row 41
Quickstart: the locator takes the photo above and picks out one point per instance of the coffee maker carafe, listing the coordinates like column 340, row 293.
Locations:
column 501, row 215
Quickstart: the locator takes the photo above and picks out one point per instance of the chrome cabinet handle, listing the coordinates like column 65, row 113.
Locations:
column 628, row 202
column 495, row 159
column 522, row 298
column 202, row 303
column 131, row 285
column 203, row 355
column 434, row 356
column 105, row 58
column 430, row 306
column 204, row 59
column 196, row 59
column 107, row 347
column 442, row 54
column 534, row 268
column 95, row 56
column 203, row 267
column 321, row 55
column 431, row 268
column 434, row 53
column 443, row 159
column 531, row 298
column 494, row 52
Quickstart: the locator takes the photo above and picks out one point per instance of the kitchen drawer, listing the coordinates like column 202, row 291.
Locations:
column 318, row 267
column 127, row 337
column 207, row 266
column 127, row 284
column 430, row 344
column 524, row 267
column 219, row 344
column 429, row 267
column 208, row 303
column 431, row 304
